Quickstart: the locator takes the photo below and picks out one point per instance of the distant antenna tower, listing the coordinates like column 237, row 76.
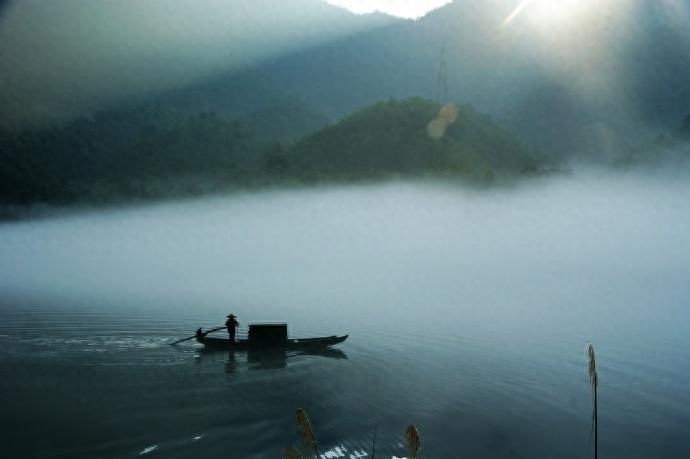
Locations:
column 442, row 80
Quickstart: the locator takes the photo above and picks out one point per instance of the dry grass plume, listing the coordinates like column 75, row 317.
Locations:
column 593, row 386
column 306, row 432
column 412, row 441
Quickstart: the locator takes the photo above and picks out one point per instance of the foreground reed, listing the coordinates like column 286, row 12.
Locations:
column 413, row 441
column 309, row 448
column 306, row 433
column 593, row 386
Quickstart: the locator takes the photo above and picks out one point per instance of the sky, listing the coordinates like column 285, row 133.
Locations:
column 409, row 9
column 63, row 58
column 70, row 56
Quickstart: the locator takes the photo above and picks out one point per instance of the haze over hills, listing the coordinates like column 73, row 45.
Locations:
column 152, row 96
column 63, row 58
column 149, row 153
column 580, row 81
column 603, row 83
column 601, row 86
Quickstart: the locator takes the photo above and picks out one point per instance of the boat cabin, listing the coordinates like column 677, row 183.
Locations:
column 267, row 334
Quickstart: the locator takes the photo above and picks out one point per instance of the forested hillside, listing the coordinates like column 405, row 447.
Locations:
column 143, row 152
column 412, row 137
column 155, row 152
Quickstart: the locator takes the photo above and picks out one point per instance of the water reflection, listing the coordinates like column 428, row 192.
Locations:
column 231, row 364
column 263, row 359
column 468, row 315
column 267, row 359
column 329, row 353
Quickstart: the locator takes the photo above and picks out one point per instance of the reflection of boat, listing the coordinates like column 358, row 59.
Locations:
column 325, row 352
column 265, row 358
column 270, row 336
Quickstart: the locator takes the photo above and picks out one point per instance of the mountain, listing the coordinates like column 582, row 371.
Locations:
column 590, row 83
column 143, row 151
column 578, row 79
column 155, row 152
column 66, row 58
column 413, row 137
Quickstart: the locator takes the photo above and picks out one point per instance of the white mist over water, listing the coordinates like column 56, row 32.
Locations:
column 468, row 310
column 619, row 243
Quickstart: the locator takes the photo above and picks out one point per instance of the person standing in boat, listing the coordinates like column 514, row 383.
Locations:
column 232, row 325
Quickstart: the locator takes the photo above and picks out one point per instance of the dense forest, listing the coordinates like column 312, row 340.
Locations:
column 142, row 151
column 153, row 152
column 150, row 152
column 107, row 155
column 407, row 138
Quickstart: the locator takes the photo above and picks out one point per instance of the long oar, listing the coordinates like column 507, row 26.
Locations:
column 194, row 336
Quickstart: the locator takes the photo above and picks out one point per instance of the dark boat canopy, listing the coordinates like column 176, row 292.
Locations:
column 268, row 333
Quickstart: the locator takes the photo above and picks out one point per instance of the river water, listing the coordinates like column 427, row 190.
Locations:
column 468, row 312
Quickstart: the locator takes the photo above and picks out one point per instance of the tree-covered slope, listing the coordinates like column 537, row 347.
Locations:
column 143, row 151
column 155, row 152
column 103, row 156
column 401, row 137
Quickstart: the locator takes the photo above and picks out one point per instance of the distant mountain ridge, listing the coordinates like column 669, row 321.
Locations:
column 65, row 58
column 621, row 79
column 594, row 90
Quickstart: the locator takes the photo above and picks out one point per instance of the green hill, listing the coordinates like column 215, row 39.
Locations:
column 154, row 153
column 395, row 138
column 141, row 152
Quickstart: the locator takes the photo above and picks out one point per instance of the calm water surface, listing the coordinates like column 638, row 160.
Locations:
column 468, row 313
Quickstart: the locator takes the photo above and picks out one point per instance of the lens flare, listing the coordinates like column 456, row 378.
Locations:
column 446, row 116
column 516, row 12
column 549, row 13
column 449, row 113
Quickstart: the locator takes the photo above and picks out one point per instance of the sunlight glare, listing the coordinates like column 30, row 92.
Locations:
column 549, row 13
column 554, row 12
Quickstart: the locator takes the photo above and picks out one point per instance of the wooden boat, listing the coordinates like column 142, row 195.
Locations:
column 290, row 344
column 269, row 336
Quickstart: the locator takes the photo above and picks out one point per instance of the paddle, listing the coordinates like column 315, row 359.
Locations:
column 194, row 336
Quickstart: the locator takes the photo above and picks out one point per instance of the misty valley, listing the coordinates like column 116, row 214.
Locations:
column 474, row 333
column 153, row 153
column 344, row 229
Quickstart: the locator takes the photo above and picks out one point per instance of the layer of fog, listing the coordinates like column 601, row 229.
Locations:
column 65, row 57
column 568, row 247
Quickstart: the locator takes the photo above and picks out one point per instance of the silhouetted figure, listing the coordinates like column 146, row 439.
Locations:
column 200, row 335
column 232, row 324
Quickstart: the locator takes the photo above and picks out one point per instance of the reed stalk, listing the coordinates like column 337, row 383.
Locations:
column 373, row 444
column 306, row 432
column 412, row 441
column 291, row 453
column 593, row 386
